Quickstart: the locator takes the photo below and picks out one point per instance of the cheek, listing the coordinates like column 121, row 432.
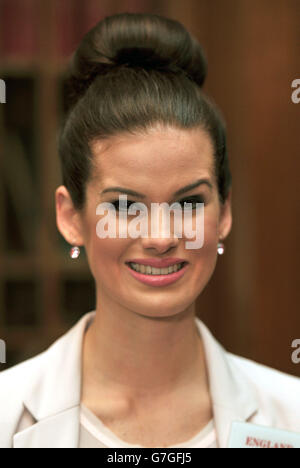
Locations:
column 210, row 235
column 205, row 231
column 104, row 254
column 105, row 257
column 204, row 259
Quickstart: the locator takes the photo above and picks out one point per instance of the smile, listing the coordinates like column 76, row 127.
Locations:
column 157, row 276
column 148, row 270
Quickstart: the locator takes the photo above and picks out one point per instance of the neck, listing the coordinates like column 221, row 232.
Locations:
column 138, row 356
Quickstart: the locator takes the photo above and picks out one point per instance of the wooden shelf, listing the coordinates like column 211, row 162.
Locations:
column 37, row 275
column 19, row 66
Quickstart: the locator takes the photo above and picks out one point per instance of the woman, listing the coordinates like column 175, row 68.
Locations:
column 142, row 369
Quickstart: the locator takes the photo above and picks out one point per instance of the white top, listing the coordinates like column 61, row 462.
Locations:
column 94, row 434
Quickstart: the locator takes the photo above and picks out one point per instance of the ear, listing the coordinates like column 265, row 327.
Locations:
column 68, row 220
column 226, row 217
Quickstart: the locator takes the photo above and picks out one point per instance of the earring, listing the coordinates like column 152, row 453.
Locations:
column 75, row 252
column 221, row 248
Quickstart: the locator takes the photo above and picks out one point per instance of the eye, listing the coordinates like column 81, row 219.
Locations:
column 192, row 200
column 121, row 206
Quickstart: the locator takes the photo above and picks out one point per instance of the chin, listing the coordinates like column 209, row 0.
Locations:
column 158, row 306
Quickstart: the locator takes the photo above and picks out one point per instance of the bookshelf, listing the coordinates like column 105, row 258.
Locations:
column 43, row 292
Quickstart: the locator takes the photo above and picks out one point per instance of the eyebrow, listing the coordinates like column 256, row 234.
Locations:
column 185, row 189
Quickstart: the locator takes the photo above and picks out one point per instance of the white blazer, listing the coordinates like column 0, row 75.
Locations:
column 40, row 397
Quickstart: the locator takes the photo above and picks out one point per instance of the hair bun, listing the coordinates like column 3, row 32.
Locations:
column 144, row 57
column 142, row 40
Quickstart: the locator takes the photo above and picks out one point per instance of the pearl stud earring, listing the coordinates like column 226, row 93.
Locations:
column 221, row 248
column 74, row 252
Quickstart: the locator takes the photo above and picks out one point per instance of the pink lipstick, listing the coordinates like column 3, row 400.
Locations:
column 159, row 279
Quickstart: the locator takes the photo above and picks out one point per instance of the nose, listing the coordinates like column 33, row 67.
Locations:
column 163, row 240
column 159, row 244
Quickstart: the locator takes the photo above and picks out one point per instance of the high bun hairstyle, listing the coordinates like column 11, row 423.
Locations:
column 129, row 73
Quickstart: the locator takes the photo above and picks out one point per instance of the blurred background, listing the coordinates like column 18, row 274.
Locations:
column 252, row 302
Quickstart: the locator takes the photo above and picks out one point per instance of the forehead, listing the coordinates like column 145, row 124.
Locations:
column 160, row 154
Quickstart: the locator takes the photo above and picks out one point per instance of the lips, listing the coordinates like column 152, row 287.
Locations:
column 158, row 280
column 156, row 262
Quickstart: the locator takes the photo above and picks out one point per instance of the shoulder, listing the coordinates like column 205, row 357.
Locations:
column 25, row 375
column 265, row 377
column 16, row 378
column 277, row 392
column 15, row 381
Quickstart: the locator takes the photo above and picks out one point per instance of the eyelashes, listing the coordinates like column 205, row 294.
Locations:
column 196, row 199
column 192, row 200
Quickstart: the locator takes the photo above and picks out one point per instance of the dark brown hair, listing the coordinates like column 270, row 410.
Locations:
column 130, row 72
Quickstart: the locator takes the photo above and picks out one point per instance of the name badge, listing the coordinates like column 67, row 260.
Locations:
column 246, row 435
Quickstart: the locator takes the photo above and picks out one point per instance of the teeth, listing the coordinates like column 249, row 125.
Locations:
column 148, row 270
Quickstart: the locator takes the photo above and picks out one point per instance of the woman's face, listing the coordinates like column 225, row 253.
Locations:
column 156, row 165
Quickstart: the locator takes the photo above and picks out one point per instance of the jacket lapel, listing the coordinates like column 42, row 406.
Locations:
column 232, row 394
column 54, row 391
column 58, row 431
